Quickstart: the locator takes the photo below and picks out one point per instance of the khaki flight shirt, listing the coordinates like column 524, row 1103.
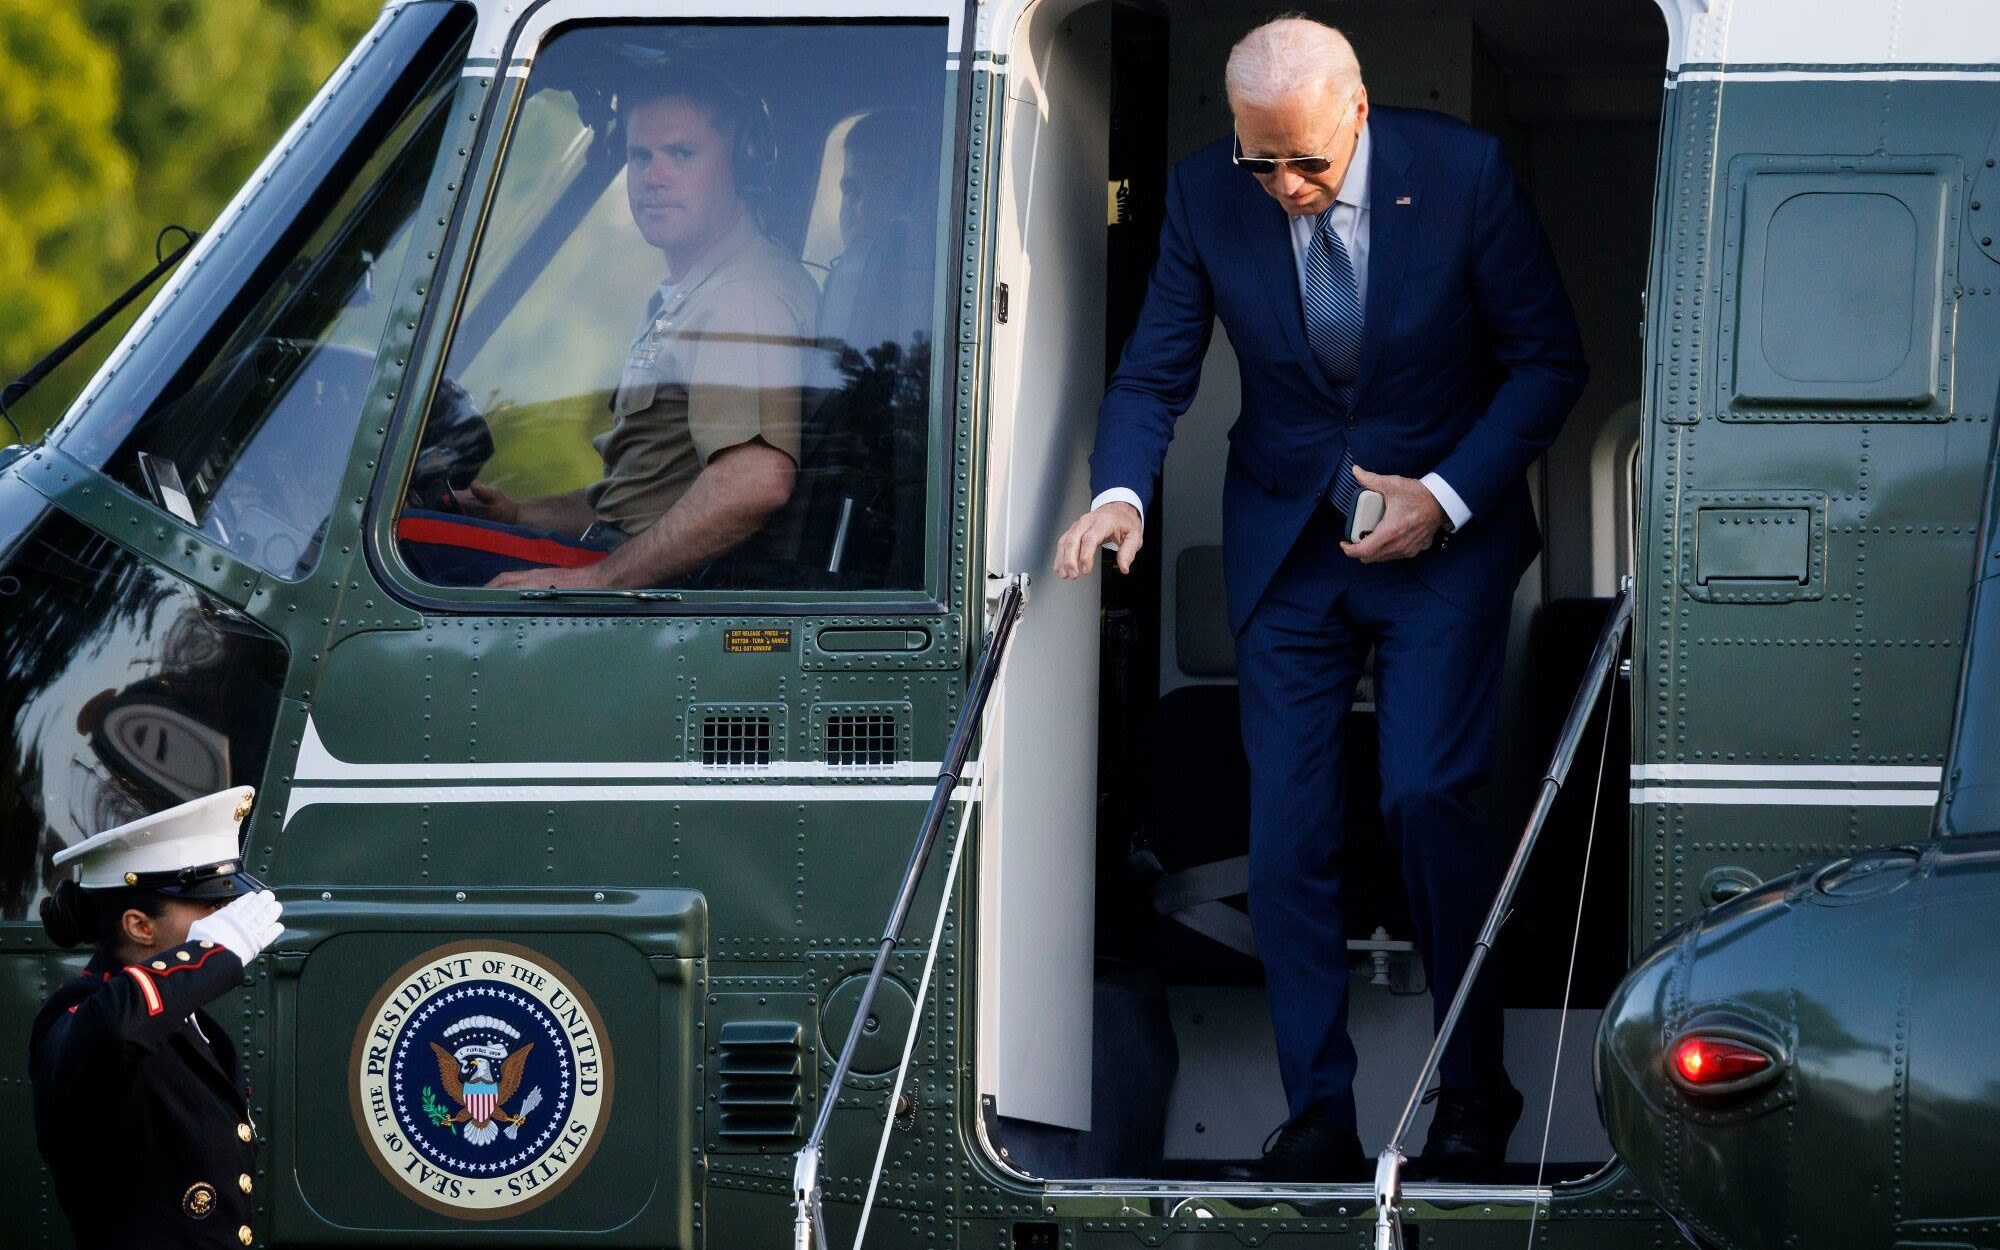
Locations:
column 720, row 361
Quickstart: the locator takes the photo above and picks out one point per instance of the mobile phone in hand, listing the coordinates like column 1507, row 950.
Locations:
column 1368, row 508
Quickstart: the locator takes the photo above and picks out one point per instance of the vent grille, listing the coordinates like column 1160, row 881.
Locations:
column 858, row 739
column 736, row 739
column 761, row 1068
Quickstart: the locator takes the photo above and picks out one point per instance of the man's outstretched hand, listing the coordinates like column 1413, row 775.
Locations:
column 1117, row 523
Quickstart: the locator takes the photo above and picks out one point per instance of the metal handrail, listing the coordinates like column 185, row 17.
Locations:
column 1603, row 662
column 807, row 1216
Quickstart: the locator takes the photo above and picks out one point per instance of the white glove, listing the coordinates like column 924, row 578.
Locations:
column 245, row 927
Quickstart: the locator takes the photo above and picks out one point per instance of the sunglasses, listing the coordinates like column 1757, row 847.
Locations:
column 1265, row 166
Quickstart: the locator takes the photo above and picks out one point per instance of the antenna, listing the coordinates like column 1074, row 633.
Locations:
column 163, row 261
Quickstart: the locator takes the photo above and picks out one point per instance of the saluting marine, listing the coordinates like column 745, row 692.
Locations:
column 125, row 1050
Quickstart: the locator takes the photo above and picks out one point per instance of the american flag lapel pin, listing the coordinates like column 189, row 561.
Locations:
column 1402, row 199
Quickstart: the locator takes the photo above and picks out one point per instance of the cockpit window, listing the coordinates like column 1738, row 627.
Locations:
column 237, row 415
column 696, row 347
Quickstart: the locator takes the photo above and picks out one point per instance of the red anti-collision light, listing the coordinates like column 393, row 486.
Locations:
column 1711, row 1061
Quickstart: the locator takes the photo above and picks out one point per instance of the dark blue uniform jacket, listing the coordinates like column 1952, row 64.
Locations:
column 140, row 1110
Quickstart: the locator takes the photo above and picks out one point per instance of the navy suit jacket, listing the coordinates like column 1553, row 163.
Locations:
column 1470, row 357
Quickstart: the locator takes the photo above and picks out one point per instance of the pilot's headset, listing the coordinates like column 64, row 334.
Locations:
column 756, row 153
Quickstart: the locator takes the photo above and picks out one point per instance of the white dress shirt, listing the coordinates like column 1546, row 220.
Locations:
column 1350, row 222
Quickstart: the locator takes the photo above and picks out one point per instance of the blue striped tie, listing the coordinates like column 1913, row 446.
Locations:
column 1333, row 328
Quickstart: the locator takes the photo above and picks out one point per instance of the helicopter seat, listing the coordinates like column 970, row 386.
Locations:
column 856, row 512
column 451, row 549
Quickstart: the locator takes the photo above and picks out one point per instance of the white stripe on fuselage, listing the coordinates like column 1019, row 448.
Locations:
column 317, row 763
column 303, row 797
column 1772, row 796
column 1851, row 774
column 343, row 782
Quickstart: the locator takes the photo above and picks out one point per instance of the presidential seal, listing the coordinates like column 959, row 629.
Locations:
column 481, row 1077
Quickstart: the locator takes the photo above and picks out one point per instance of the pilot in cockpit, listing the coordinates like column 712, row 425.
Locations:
column 705, row 440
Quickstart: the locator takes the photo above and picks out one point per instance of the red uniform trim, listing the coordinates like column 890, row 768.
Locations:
column 152, row 992
column 540, row 551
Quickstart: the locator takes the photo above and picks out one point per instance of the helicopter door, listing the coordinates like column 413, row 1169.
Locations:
column 1038, row 874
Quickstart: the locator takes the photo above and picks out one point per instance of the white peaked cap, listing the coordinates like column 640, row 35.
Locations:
column 200, row 835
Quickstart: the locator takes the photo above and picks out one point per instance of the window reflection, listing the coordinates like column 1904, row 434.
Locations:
column 699, row 331
column 126, row 692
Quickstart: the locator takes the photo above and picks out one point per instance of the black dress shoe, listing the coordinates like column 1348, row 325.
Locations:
column 1469, row 1132
column 1315, row 1146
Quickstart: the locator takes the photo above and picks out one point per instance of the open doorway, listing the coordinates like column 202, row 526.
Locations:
column 1184, row 1074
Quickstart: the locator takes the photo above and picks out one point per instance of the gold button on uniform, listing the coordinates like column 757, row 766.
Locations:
column 243, row 1132
column 243, row 1182
column 159, row 965
column 243, row 1234
column 183, row 956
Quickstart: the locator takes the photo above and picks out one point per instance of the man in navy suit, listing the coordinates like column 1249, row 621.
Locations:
column 1402, row 329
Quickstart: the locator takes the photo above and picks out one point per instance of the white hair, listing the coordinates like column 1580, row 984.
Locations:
column 1286, row 55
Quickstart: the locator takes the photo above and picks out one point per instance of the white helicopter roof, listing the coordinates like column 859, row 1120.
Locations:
column 1895, row 38
column 1780, row 38
column 498, row 18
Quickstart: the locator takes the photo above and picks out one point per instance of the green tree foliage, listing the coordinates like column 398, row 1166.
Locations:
column 65, row 177
column 117, row 118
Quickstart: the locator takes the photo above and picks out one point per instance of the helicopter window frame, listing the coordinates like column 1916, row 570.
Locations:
column 459, row 303
column 254, row 263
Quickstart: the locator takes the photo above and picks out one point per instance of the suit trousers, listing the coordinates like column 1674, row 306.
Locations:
column 1437, row 684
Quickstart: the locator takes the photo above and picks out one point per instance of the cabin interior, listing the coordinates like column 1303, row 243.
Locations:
column 1117, row 794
